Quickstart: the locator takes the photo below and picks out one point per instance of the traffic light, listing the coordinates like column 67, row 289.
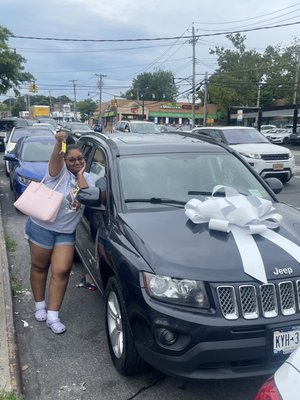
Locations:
column 33, row 88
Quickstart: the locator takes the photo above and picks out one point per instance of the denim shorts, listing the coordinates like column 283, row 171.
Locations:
column 46, row 238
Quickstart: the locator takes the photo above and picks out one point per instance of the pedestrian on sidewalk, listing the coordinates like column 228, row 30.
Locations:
column 53, row 244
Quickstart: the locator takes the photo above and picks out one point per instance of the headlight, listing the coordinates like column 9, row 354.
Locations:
column 251, row 155
column 187, row 292
column 291, row 155
column 23, row 180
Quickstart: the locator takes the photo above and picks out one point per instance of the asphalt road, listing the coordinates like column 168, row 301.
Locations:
column 77, row 365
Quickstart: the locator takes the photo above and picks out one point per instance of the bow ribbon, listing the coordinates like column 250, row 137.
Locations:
column 243, row 216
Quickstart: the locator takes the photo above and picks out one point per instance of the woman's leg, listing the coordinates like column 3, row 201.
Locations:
column 40, row 262
column 61, row 265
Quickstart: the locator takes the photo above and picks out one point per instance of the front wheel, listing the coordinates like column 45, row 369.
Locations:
column 286, row 140
column 120, row 340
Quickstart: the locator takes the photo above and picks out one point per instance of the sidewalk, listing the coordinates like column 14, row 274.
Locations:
column 10, row 374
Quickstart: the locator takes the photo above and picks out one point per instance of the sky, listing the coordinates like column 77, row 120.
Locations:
column 106, row 33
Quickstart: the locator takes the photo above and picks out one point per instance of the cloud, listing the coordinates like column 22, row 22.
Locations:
column 55, row 64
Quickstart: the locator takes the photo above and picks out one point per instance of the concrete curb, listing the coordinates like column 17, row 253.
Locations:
column 11, row 358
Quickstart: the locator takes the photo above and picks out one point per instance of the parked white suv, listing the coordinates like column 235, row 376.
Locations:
column 269, row 160
column 136, row 126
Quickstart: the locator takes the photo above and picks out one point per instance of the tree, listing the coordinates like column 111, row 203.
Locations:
column 157, row 86
column 12, row 73
column 86, row 108
column 246, row 77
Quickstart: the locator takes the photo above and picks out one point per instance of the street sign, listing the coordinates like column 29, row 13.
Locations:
column 240, row 115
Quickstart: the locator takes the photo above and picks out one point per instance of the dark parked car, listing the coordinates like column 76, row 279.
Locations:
column 195, row 297
column 6, row 125
column 29, row 161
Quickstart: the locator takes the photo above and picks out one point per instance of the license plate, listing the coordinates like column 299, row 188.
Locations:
column 285, row 341
column 277, row 167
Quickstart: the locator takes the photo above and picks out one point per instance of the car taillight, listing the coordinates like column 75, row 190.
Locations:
column 268, row 391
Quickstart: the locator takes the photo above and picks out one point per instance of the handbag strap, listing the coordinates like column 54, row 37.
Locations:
column 58, row 183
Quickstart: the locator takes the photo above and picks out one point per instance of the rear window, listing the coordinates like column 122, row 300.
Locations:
column 7, row 125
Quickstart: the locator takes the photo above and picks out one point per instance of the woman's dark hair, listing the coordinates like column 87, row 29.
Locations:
column 70, row 140
column 72, row 146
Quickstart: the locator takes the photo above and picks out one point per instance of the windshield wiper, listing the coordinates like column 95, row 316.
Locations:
column 156, row 200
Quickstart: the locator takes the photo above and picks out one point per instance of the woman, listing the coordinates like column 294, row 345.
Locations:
column 54, row 243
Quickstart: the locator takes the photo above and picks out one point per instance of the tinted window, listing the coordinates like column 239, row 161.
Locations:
column 237, row 136
column 182, row 177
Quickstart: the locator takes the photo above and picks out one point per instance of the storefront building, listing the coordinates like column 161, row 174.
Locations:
column 165, row 113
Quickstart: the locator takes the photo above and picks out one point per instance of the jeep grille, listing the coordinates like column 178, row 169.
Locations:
column 267, row 300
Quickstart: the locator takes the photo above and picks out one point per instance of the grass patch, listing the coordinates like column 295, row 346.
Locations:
column 10, row 396
column 11, row 245
column 16, row 290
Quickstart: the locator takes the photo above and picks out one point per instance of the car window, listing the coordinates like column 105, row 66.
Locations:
column 37, row 151
column 144, row 127
column 237, row 136
column 97, row 169
column 214, row 134
column 182, row 177
column 6, row 125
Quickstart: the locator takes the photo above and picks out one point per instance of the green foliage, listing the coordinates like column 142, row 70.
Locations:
column 12, row 73
column 10, row 396
column 10, row 243
column 242, row 74
column 158, row 86
column 16, row 287
column 86, row 108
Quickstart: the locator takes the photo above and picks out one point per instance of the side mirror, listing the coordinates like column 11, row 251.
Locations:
column 10, row 157
column 90, row 197
column 275, row 184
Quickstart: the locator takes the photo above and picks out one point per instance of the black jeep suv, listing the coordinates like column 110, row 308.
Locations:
column 196, row 259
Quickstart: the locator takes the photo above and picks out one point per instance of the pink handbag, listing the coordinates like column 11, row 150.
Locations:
column 40, row 202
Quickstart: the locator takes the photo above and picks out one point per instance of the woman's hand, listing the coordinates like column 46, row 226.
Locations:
column 61, row 136
column 82, row 169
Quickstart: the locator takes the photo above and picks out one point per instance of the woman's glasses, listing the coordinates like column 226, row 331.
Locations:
column 74, row 159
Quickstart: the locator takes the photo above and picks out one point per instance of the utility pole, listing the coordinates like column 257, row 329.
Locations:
column 205, row 108
column 296, row 75
column 193, row 77
column 50, row 103
column 100, row 86
column 74, row 90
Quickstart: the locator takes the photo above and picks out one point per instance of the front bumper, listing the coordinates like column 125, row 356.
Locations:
column 281, row 169
column 207, row 346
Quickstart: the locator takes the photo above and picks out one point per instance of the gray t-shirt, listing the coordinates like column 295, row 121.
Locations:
column 71, row 210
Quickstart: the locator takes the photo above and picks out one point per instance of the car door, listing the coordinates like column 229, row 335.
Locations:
column 87, row 231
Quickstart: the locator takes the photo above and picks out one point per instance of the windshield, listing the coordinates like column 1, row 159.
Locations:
column 80, row 127
column 37, row 151
column 144, row 128
column 161, row 180
column 19, row 133
column 239, row 136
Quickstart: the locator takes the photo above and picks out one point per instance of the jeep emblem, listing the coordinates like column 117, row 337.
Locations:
column 283, row 271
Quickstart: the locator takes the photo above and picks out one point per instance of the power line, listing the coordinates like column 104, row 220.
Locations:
column 154, row 39
column 247, row 19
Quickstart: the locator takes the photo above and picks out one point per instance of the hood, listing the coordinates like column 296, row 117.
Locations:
column 32, row 170
column 259, row 148
column 174, row 246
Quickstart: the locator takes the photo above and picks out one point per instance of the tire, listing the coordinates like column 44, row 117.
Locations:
column 286, row 141
column 120, row 340
column 6, row 171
